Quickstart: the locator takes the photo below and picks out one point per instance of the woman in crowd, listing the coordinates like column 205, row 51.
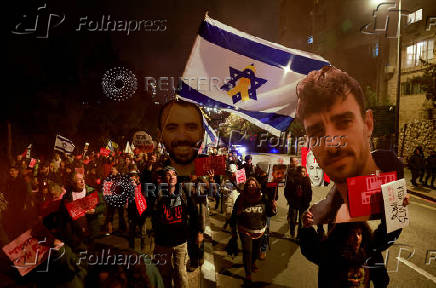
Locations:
column 350, row 254
column 249, row 220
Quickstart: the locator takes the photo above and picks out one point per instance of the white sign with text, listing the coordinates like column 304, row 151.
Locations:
column 397, row 215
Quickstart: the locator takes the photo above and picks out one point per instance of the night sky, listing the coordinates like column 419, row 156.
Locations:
column 53, row 85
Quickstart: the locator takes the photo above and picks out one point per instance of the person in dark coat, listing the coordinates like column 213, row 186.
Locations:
column 298, row 193
column 430, row 166
column 349, row 255
column 249, row 219
column 249, row 167
column 79, row 234
column 416, row 164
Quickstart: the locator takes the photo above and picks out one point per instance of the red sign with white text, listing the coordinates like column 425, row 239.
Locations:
column 364, row 193
column 78, row 208
column 141, row 203
column 216, row 163
column 240, row 176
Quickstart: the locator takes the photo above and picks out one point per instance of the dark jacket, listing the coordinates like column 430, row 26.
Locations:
column 174, row 217
column 298, row 193
column 334, row 261
column 416, row 162
column 251, row 216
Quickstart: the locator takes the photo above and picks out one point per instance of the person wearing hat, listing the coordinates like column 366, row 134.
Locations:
column 174, row 217
column 249, row 167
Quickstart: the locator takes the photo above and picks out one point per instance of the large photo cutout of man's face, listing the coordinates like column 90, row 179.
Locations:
column 181, row 126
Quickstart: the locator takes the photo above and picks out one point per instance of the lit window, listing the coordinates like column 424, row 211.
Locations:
column 420, row 50
column 414, row 17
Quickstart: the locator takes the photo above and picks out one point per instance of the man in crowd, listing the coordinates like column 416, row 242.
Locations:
column 89, row 225
column 174, row 216
column 331, row 103
column 181, row 129
column 249, row 167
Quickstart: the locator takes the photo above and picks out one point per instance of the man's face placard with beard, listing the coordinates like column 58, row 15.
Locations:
column 182, row 132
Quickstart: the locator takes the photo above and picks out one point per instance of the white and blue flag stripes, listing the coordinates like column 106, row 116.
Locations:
column 245, row 75
column 209, row 135
column 64, row 145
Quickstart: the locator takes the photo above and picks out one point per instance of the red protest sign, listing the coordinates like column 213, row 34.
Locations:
column 32, row 163
column 105, row 152
column 78, row 208
column 364, row 193
column 216, row 163
column 141, row 203
column 240, row 176
column 26, row 252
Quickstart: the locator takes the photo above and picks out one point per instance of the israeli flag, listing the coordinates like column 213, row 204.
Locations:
column 209, row 134
column 64, row 145
column 251, row 77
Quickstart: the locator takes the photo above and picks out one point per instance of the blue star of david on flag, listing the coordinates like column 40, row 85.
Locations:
column 243, row 84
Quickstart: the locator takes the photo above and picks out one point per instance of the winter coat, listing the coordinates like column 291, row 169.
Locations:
column 298, row 193
column 335, row 262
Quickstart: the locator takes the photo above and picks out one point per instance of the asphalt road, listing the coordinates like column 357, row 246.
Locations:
column 286, row 267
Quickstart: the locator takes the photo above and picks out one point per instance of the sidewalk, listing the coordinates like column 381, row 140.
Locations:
column 421, row 191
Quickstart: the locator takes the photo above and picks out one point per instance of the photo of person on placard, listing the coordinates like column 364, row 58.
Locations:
column 316, row 174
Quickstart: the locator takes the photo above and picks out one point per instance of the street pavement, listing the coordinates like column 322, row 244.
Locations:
column 286, row 267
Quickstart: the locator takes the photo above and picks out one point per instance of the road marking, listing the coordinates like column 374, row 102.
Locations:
column 420, row 198
column 417, row 269
column 208, row 267
column 423, row 205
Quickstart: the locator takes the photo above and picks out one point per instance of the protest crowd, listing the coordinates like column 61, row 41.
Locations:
column 55, row 209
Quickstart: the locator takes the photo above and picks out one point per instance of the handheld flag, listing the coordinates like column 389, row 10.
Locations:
column 64, row 145
column 256, row 78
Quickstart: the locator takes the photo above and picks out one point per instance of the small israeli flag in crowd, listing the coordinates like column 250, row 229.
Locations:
column 64, row 145
column 245, row 75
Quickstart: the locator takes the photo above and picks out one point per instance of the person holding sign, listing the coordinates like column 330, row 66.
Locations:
column 181, row 130
column 331, row 103
column 86, row 227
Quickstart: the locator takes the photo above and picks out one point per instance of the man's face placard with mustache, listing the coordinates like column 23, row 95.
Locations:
column 341, row 161
column 182, row 133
